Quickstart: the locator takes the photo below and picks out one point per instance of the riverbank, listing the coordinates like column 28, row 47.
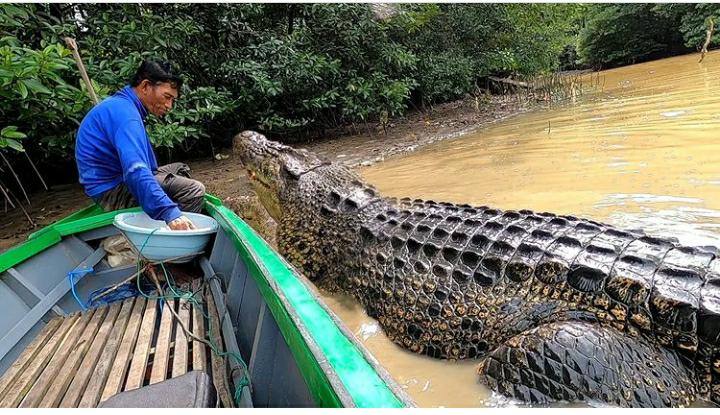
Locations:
column 224, row 179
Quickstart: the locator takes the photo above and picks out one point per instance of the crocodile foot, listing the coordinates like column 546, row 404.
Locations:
column 578, row 361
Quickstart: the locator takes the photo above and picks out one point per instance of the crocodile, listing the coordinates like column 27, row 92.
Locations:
column 554, row 307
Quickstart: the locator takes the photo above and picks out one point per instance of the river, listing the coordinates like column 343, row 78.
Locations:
column 640, row 151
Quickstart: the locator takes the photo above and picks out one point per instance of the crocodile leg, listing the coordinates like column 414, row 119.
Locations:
column 572, row 361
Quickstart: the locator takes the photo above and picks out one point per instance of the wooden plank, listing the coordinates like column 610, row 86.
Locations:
column 14, row 394
column 122, row 359
column 91, row 396
column 219, row 367
column 199, row 356
column 60, row 383
column 171, row 345
column 87, row 366
column 136, row 373
column 162, row 347
column 29, row 353
column 180, row 353
column 52, row 370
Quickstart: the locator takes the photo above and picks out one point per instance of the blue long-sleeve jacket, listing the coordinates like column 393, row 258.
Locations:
column 112, row 147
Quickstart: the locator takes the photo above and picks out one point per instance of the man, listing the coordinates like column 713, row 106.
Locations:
column 116, row 163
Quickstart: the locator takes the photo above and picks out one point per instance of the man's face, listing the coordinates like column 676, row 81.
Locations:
column 157, row 98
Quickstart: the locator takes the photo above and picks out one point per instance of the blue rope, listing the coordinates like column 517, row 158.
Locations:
column 120, row 293
column 71, row 279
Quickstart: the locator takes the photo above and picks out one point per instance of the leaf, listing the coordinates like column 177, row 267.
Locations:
column 36, row 86
column 10, row 40
column 6, row 129
column 159, row 40
column 7, row 136
column 56, row 66
column 16, row 10
column 14, row 145
column 12, row 134
column 22, row 89
column 12, row 22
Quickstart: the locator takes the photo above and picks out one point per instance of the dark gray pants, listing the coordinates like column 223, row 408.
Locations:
column 175, row 181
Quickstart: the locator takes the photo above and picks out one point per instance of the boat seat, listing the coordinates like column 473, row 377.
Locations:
column 191, row 390
column 85, row 358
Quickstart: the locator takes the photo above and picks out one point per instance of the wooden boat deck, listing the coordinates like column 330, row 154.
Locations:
column 83, row 359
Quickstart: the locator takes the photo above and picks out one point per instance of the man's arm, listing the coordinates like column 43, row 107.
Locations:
column 129, row 142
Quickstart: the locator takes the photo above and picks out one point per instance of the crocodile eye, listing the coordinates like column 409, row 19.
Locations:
column 291, row 172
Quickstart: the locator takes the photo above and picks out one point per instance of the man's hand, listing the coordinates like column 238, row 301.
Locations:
column 181, row 224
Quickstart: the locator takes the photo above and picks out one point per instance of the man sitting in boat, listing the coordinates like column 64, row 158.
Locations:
column 116, row 163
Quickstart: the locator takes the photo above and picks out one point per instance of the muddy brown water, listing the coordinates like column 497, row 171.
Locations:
column 640, row 152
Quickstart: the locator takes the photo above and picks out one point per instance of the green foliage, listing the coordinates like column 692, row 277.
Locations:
column 35, row 98
column 458, row 44
column 539, row 34
column 286, row 69
column 569, row 58
column 336, row 65
column 192, row 120
column 693, row 20
column 9, row 137
column 446, row 76
column 618, row 34
column 369, row 96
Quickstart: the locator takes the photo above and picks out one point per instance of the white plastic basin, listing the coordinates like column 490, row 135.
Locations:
column 155, row 242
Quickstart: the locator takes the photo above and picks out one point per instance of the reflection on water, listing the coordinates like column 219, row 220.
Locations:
column 641, row 153
column 431, row 382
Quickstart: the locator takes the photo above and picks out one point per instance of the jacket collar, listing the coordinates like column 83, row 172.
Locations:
column 129, row 93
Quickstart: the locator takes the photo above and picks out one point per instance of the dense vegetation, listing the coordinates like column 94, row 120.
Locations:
column 285, row 69
column 621, row 34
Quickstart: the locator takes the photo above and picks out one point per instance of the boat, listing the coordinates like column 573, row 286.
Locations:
column 267, row 338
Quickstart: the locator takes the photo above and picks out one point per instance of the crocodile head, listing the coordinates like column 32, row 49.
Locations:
column 318, row 206
column 274, row 169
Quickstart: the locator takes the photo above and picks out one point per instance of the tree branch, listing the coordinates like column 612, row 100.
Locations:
column 709, row 32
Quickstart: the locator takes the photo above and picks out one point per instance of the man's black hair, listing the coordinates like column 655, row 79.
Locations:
column 156, row 72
